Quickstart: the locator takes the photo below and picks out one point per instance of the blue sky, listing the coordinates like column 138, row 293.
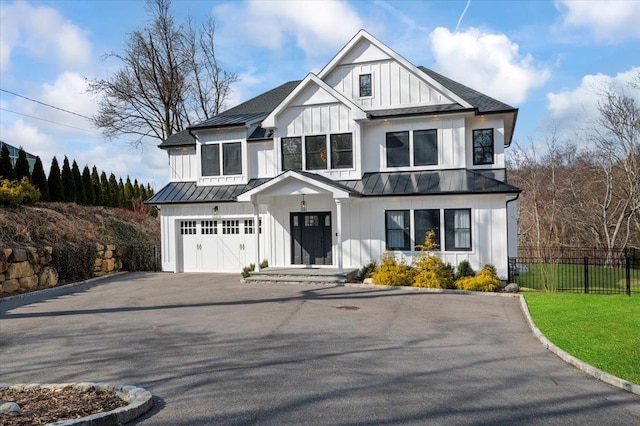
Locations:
column 548, row 58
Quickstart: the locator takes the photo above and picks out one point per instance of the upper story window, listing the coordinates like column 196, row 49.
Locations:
column 318, row 152
column 482, row 146
column 225, row 157
column 423, row 144
column 365, row 86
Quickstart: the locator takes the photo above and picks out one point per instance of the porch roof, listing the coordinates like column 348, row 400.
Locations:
column 378, row 184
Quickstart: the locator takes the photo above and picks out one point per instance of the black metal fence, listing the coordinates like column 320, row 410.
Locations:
column 140, row 257
column 578, row 270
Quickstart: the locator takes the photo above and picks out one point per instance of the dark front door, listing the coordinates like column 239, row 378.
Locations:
column 311, row 238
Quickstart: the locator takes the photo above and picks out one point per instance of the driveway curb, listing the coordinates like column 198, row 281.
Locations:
column 581, row 365
column 140, row 401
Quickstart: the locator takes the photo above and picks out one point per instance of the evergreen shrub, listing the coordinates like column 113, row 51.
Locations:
column 486, row 280
column 393, row 272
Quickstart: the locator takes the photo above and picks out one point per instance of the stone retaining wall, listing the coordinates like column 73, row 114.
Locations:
column 28, row 269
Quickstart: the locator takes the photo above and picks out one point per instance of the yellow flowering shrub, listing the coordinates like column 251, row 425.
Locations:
column 13, row 193
column 392, row 272
column 486, row 280
column 430, row 270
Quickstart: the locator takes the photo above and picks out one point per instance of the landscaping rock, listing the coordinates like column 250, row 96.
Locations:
column 368, row 281
column 9, row 408
column 10, row 286
column 19, row 255
column 48, row 277
column 28, row 283
column 21, row 269
column 7, row 253
column 108, row 265
column 108, row 254
column 512, row 288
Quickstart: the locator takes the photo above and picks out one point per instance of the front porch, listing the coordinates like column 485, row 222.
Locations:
column 309, row 275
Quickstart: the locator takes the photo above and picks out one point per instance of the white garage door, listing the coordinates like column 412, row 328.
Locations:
column 220, row 245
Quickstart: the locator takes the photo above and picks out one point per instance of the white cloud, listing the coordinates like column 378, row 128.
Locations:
column 43, row 33
column 23, row 133
column 582, row 102
column 607, row 20
column 490, row 63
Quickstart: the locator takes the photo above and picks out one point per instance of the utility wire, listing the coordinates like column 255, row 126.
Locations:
column 45, row 104
column 48, row 121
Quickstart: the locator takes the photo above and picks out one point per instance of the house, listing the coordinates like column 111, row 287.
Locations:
column 13, row 155
column 335, row 170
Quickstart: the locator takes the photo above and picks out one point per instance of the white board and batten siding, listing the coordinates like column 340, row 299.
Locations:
column 209, row 136
column 182, row 164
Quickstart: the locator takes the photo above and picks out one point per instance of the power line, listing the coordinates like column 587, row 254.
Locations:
column 48, row 121
column 45, row 104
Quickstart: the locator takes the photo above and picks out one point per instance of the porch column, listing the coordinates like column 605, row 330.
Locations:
column 339, row 229
column 256, row 223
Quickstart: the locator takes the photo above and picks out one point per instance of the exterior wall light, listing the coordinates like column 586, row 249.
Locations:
column 303, row 205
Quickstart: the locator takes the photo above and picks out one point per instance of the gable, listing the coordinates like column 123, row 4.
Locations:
column 395, row 81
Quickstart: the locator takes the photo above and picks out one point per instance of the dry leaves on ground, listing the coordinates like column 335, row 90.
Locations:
column 42, row 406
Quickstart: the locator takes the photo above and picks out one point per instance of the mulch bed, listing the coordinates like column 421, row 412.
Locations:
column 42, row 406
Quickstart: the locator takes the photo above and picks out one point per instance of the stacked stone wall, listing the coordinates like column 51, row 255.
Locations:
column 28, row 269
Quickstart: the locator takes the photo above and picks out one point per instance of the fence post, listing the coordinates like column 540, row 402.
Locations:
column 627, row 270
column 586, row 275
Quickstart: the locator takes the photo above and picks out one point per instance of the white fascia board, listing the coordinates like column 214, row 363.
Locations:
column 362, row 34
column 357, row 113
column 291, row 174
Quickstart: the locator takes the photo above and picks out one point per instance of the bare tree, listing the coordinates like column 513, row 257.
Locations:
column 616, row 139
column 169, row 77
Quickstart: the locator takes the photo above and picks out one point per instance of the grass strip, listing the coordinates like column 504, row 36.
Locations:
column 601, row 330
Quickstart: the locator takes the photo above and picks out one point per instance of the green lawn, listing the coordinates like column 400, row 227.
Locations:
column 601, row 330
column 552, row 277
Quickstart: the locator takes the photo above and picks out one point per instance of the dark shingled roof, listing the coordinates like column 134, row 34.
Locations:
column 379, row 184
column 484, row 103
column 182, row 138
column 253, row 109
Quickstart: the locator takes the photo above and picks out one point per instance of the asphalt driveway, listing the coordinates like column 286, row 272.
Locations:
column 214, row 351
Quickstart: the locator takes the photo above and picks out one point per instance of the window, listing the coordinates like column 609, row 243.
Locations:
column 397, row 149
column 209, row 227
column 187, row 227
column 422, row 143
column 249, row 228
column 425, row 221
column 316, row 152
column 231, row 159
column 425, row 147
column 292, row 153
column 397, row 229
column 230, row 227
column 341, row 151
column 365, row 85
column 210, row 155
column 457, row 225
column 483, row 146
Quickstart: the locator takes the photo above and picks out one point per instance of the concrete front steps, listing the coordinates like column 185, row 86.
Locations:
column 303, row 275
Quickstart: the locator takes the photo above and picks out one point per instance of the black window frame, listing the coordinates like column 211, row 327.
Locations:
column 229, row 169
column 481, row 151
column 315, row 157
column 338, row 153
column 451, row 230
column 210, row 159
column 420, row 232
column 365, row 85
column 391, row 138
column 406, row 229
column 297, row 155
column 432, row 161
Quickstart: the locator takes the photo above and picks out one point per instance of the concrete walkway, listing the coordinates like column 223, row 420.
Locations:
column 214, row 351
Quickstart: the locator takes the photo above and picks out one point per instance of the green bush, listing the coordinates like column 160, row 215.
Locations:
column 367, row 270
column 74, row 263
column 139, row 258
column 486, row 280
column 465, row 270
column 13, row 193
column 392, row 272
column 247, row 270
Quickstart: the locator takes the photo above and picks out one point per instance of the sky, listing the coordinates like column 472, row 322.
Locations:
column 547, row 58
